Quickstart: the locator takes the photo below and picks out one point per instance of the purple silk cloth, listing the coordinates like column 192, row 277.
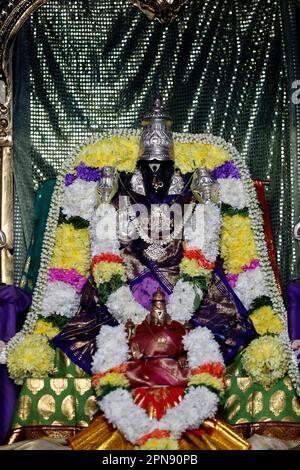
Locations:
column 293, row 292
column 78, row 338
column 145, row 284
column 13, row 302
column 143, row 290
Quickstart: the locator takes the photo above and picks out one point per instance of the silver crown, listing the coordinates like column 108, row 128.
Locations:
column 157, row 139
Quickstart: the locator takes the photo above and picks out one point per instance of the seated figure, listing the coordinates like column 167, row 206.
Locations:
column 157, row 354
column 100, row 267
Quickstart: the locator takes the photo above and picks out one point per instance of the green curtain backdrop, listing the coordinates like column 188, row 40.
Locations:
column 224, row 67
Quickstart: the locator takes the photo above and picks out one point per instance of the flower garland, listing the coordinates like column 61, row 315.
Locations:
column 266, row 321
column 115, row 400
column 54, row 240
column 158, row 440
column 238, row 198
column 79, row 199
column 112, row 349
column 245, row 273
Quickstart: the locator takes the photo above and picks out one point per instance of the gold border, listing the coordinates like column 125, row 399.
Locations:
column 280, row 430
column 13, row 15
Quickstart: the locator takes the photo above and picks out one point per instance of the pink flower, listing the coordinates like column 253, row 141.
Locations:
column 69, row 276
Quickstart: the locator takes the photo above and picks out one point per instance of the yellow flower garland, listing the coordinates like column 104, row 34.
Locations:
column 206, row 379
column 165, row 443
column 237, row 243
column 191, row 268
column 122, row 153
column 104, row 271
column 117, row 151
column 266, row 321
column 189, row 156
column 71, row 249
column 265, row 359
column 114, row 379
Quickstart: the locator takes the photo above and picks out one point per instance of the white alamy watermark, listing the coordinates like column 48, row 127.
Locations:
column 295, row 98
column 158, row 222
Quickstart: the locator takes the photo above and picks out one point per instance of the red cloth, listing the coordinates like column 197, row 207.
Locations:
column 157, row 401
column 155, row 351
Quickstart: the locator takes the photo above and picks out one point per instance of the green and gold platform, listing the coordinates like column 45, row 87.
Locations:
column 246, row 401
column 60, row 405
column 56, row 406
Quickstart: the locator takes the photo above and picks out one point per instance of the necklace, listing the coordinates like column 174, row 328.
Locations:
column 156, row 248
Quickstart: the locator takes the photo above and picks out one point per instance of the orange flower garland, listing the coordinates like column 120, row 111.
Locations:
column 200, row 258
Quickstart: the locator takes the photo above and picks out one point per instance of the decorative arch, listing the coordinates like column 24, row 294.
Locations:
column 13, row 15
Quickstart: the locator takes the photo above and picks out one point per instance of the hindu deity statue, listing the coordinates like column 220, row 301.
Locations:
column 157, row 354
column 154, row 279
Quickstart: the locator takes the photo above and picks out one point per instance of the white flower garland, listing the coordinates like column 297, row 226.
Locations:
column 198, row 404
column 123, row 306
column 120, row 410
column 201, row 347
column 60, row 297
column 79, row 199
column 251, row 285
column 232, row 192
column 118, row 407
column 112, row 349
column 181, row 302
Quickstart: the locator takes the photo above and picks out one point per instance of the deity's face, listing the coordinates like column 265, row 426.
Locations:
column 157, row 176
column 158, row 314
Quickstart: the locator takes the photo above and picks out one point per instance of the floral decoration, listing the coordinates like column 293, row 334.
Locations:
column 72, row 249
column 237, row 243
column 243, row 245
column 45, row 328
column 33, row 357
column 266, row 321
column 266, row 360
column 158, row 440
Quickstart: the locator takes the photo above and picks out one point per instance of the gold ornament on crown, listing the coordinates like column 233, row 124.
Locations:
column 163, row 11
